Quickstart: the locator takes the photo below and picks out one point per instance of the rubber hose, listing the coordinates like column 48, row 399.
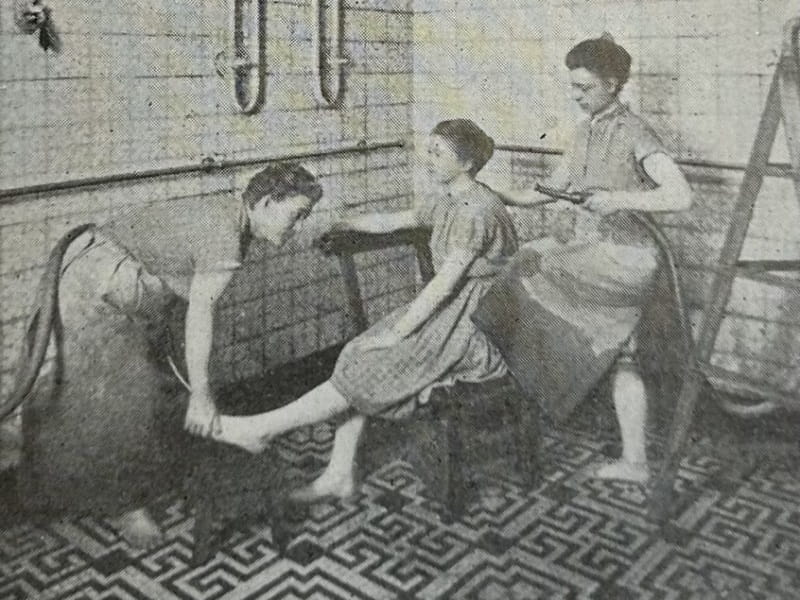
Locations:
column 40, row 325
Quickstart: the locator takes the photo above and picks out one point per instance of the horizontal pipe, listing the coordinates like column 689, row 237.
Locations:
column 528, row 149
column 773, row 169
column 206, row 166
column 210, row 166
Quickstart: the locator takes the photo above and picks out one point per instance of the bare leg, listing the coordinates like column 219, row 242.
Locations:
column 338, row 478
column 138, row 528
column 254, row 432
column 630, row 402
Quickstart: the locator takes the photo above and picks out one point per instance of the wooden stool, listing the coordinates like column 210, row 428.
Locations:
column 230, row 485
column 438, row 439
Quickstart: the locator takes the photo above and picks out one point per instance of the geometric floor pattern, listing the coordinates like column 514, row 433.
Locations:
column 733, row 538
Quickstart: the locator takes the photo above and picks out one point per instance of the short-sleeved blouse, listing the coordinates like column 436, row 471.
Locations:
column 607, row 153
column 176, row 239
column 475, row 220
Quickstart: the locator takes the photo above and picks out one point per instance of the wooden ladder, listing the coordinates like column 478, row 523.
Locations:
column 782, row 105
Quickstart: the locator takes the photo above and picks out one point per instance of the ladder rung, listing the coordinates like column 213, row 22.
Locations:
column 769, row 265
column 786, row 282
column 780, row 170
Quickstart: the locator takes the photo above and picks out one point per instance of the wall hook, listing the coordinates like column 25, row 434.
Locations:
column 327, row 43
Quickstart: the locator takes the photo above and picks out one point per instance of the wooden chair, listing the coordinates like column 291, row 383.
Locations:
column 437, row 438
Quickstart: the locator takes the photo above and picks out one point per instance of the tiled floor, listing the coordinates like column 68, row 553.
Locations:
column 734, row 538
column 569, row 538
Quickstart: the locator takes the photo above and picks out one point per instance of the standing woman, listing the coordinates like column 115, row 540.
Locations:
column 581, row 301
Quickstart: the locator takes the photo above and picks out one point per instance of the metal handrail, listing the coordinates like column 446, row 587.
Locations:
column 207, row 165
column 773, row 169
column 210, row 166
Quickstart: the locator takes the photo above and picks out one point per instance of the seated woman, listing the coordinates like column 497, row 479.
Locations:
column 103, row 439
column 575, row 306
column 392, row 367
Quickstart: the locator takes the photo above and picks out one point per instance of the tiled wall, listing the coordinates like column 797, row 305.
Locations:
column 701, row 70
column 135, row 88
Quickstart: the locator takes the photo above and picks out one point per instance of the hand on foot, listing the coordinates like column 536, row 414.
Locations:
column 202, row 418
column 236, row 431
column 621, row 470
column 138, row 528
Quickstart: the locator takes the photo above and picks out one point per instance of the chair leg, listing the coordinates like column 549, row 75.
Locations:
column 203, row 531
column 528, row 437
column 455, row 500
column 435, row 451
column 284, row 518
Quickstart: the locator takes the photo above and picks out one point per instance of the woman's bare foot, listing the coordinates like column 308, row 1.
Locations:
column 328, row 486
column 621, row 470
column 238, row 432
column 138, row 528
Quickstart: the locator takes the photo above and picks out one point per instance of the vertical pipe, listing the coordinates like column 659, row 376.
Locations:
column 327, row 51
column 249, row 26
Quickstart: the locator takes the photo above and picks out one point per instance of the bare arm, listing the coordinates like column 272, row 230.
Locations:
column 381, row 222
column 204, row 292
column 435, row 293
column 672, row 191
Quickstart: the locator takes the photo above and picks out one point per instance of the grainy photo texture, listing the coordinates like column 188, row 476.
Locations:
column 375, row 299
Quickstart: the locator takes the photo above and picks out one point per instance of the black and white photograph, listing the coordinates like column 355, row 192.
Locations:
column 400, row 299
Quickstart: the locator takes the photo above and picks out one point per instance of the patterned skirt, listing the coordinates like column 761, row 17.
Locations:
column 392, row 382
column 99, row 430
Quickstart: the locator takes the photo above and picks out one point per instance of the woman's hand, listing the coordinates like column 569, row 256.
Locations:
column 325, row 240
column 384, row 339
column 201, row 415
column 602, row 202
column 565, row 205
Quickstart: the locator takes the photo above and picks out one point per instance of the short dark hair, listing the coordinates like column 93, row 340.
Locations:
column 603, row 57
column 279, row 181
column 469, row 142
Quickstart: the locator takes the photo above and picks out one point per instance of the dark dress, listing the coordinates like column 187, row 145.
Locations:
column 564, row 312
column 390, row 382
column 105, row 435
